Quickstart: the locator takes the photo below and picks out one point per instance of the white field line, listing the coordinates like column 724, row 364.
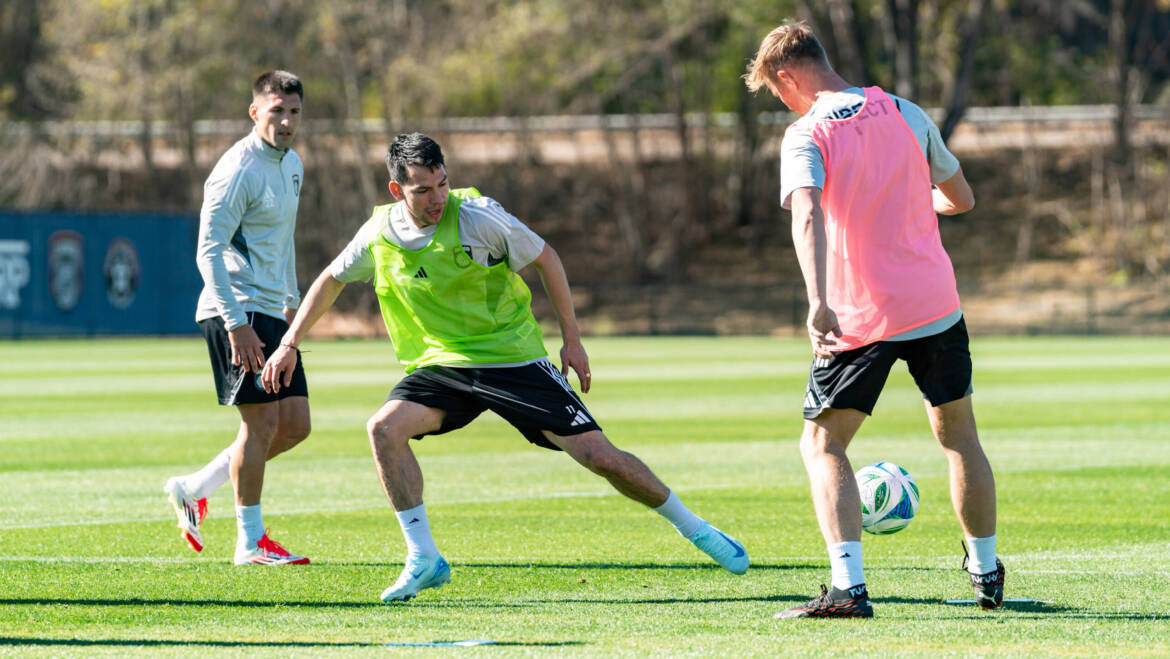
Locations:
column 382, row 506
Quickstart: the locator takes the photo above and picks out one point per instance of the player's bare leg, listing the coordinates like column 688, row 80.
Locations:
column 390, row 431
column 623, row 470
column 188, row 494
column 293, row 426
column 830, row 474
column 972, row 495
column 838, row 507
column 631, row 477
column 972, row 483
column 258, row 426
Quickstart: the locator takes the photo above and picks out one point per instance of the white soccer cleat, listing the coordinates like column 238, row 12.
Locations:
column 268, row 552
column 419, row 573
column 190, row 511
column 722, row 547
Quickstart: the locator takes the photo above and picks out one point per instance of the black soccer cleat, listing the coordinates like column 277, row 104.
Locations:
column 988, row 587
column 851, row 603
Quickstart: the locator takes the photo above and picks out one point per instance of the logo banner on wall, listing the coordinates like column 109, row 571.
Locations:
column 14, row 271
column 97, row 273
column 66, row 268
column 121, row 272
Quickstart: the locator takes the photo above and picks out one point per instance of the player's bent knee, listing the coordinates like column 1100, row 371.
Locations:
column 261, row 422
column 384, row 435
column 296, row 432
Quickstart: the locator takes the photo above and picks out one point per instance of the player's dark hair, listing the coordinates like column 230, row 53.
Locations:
column 412, row 149
column 283, row 82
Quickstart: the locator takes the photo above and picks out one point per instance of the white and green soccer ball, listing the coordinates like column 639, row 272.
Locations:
column 889, row 497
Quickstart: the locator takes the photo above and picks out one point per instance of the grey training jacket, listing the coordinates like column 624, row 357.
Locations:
column 245, row 248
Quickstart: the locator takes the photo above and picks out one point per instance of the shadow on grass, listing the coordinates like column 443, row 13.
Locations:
column 1034, row 610
column 138, row 601
column 414, row 604
column 704, row 565
column 154, row 642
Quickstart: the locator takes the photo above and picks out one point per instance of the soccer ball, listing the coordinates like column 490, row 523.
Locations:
column 889, row 497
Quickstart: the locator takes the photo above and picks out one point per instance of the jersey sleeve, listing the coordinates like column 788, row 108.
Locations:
column 226, row 196
column 355, row 262
column 292, row 298
column 802, row 165
column 943, row 163
column 485, row 220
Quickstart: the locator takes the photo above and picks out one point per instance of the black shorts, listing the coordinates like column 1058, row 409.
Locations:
column 940, row 365
column 532, row 398
column 232, row 383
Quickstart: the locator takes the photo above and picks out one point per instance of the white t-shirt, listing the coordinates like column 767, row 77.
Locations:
column 490, row 234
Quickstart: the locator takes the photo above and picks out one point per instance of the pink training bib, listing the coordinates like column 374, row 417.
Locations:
column 887, row 269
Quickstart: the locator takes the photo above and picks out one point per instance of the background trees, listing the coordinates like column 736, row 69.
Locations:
column 659, row 195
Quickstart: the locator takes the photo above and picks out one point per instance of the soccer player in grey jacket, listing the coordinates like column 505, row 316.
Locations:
column 246, row 258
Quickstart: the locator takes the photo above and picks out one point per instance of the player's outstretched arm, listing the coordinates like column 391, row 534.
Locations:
column 552, row 274
column 954, row 195
column 278, row 370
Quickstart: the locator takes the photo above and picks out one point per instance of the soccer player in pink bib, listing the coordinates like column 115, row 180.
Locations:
column 864, row 174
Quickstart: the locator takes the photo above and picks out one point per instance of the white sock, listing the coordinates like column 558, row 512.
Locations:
column 208, row 479
column 845, row 561
column 417, row 531
column 982, row 555
column 250, row 526
column 679, row 515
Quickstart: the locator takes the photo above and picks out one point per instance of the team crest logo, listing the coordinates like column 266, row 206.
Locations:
column 66, row 262
column 297, row 184
column 121, row 272
column 462, row 256
column 14, row 271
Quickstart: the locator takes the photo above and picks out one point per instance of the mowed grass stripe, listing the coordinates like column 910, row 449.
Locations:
column 545, row 556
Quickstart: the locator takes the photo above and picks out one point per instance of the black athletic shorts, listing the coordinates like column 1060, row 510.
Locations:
column 232, row 383
column 532, row 398
column 940, row 365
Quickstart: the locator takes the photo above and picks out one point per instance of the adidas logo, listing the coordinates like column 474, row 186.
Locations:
column 413, row 521
column 421, row 274
column 580, row 419
column 811, row 399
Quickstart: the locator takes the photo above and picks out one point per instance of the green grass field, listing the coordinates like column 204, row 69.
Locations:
column 546, row 559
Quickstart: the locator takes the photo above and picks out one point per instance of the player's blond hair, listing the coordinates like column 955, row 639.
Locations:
column 792, row 43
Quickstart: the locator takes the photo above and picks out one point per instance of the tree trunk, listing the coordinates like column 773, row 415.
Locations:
column 1119, row 44
column 851, row 63
column 972, row 28
column 818, row 16
column 904, row 22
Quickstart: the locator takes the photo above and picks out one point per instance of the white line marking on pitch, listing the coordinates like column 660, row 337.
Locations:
column 382, row 506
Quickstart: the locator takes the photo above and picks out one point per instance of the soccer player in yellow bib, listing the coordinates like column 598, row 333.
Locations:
column 444, row 265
